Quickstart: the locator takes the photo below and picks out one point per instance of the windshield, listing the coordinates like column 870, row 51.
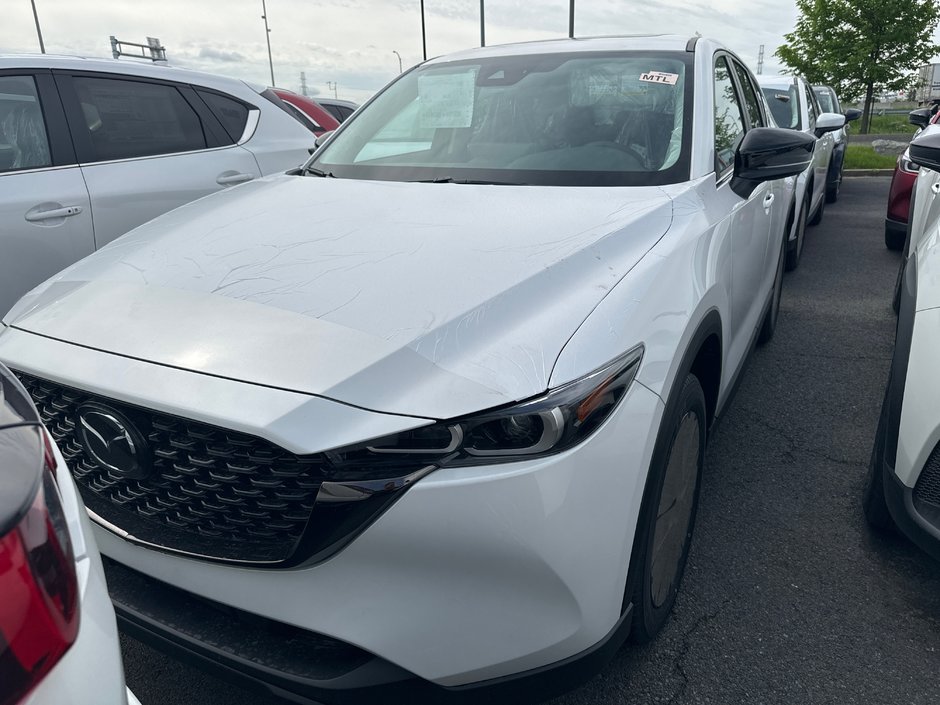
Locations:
column 554, row 119
column 784, row 105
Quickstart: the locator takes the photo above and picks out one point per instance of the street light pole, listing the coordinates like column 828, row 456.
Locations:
column 399, row 59
column 571, row 19
column 42, row 46
column 482, row 26
column 267, row 36
column 424, row 41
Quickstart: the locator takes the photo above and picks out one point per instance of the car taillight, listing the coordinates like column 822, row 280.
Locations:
column 38, row 590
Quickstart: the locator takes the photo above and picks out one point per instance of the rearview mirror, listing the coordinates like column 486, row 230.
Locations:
column 852, row 114
column 925, row 148
column 829, row 122
column 768, row 153
column 919, row 117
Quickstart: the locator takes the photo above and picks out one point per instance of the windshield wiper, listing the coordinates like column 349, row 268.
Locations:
column 317, row 172
column 452, row 180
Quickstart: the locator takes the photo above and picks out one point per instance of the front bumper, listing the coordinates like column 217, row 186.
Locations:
column 474, row 574
column 918, row 521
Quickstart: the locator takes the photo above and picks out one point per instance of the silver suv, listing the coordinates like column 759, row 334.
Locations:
column 794, row 106
column 90, row 149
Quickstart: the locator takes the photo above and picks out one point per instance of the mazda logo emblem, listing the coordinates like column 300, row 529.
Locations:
column 113, row 442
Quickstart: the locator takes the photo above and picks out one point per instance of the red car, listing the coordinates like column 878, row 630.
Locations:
column 307, row 111
column 902, row 183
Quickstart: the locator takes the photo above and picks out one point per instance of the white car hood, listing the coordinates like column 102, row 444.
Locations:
column 434, row 300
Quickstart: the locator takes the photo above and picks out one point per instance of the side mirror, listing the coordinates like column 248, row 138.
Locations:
column 322, row 139
column 852, row 114
column 769, row 153
column 925, row 148
column 829, row 122
column 919, row 117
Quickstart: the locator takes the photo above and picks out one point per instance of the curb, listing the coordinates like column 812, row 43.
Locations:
column 867, row 172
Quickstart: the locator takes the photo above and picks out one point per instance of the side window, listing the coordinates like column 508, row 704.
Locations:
column 729, row 123
column 345, row 111
column 127, row 119
column 233, row 114
column 811, row 108
column 23, row 140
column 751, row 104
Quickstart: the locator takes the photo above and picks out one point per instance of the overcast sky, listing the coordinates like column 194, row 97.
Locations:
column 351, row 42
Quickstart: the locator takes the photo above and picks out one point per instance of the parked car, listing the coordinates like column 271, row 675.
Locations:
column 829, row 103
column 403, row 424
column 91, row 148
column 58, row 638
column 795, row 107
column 902, row 185
column 307, row 111
column 340, row 109
column 903, row 488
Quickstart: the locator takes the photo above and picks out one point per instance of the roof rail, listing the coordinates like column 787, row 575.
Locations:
column 157, row 52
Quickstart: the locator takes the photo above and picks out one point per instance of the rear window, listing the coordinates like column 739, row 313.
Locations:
column 127, row 119
column 784, row 104
column 233, row 114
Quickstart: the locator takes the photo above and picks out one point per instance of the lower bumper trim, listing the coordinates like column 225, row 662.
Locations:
column 304, row 667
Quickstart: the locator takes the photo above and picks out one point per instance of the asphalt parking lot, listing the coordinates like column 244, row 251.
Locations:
column 787, row 598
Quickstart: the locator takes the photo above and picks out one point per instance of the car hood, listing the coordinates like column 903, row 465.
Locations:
column 426, row 299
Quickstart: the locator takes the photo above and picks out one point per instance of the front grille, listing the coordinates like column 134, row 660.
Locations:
column 210, row 491
column 927, row 488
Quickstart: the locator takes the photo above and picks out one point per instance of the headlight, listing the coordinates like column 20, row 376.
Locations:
column 905, row 163
column 550, row 423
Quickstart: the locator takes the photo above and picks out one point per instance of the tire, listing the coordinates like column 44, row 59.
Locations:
column 794, row 254
column 873, row 499
column 818, row 215
column 894, row 239
column 773, row 313
column 674, row 481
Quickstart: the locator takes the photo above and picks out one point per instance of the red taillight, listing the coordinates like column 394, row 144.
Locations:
column 38, row 592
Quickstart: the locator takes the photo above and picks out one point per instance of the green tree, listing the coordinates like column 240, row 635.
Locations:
column 860, row 46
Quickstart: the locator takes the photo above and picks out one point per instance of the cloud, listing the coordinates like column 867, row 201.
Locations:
column 220, row 55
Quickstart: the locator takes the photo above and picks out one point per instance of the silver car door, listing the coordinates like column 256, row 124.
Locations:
column 748, row 219
column 45, row 215
column 146, row 147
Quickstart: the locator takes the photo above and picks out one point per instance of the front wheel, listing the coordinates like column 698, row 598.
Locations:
column 794, row 254
column 668, row 516
column 873, row 499
column 818, row 215
column 773, row 313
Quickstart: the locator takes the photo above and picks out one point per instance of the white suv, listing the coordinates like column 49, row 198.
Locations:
column 795, row 106
column 429, row 416
column 91, row 148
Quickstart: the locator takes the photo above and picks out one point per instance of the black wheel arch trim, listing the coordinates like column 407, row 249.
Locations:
column 899, row 361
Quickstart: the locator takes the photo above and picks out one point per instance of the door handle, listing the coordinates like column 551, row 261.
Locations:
column 936, row 187
column 768, row 199
column 230, row 179
column 64, row 212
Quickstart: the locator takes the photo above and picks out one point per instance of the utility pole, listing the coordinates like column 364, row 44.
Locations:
column 482, row 26
column 303, row 83
column 332, row 86
column 424, row 41
column 399, row 60
column 760, row 60
column 571, row 19
column 42, row 46
column 267, row 36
